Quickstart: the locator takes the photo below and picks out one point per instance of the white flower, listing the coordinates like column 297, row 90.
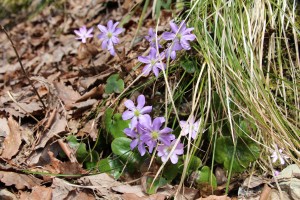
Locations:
column 190, row 127
column 278, row 155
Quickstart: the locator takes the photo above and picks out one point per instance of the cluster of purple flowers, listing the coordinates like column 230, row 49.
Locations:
column 179, row 37
column 148, row 134
column 108, row 35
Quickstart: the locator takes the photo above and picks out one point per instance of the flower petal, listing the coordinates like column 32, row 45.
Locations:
column 165, row 130
column 133, row 122
column 174, row 27
column 140, row 102
column 144, row 59
column 102, row 28
column 129, row 104
column 146, row 70
column 146, row 109
column 133, row 144
column 155, row 70
column 110, row 25
column 127, row 115
column 157, row 122
column 168, row 36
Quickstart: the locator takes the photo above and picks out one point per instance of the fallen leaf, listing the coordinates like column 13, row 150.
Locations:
column 7, row 195
column 60, row 190
column 21, row 181
column 102, row 183
column 4, row 129
column 58, row 126
column 12, row 141
column 38, row 193
column 66, row 94
column 74, row 195
column 214, row 197
column 132, row 196
column 136, row 189
column 90, row 129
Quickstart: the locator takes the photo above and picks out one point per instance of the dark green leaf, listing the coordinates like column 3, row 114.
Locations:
column 112, row 166
column 156, row 184
column 206, row 176
column 114, row 84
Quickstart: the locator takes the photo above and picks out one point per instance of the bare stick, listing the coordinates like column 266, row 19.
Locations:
column 22, row 67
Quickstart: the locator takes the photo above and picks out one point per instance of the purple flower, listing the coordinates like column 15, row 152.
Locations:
column 83, row 34
column 109, row 35
column 136, row 141
column 172, row 48
column 151, row 37
column 190, row 127
column 180, row 37
column 153, row 62
column 163, row 151
column 278, row 154
column 153, row 134
column 136, row 113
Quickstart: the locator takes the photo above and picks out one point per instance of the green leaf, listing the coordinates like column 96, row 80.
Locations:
column 121, row 147
column 118, row 125
column 170, row 172
column 205, row 176
column 108, row 118
column 189, row 66
column 246, row 151
column 80, row 148
column 114, row 124
column 114, row 84
column 112, row 166
column 194, row 165
column 156, row 184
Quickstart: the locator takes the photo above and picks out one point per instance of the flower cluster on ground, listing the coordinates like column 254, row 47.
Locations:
column 108, row 36
column 179, row 37
column 147, row 133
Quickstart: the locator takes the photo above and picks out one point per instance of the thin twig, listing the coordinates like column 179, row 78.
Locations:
column 22, row 67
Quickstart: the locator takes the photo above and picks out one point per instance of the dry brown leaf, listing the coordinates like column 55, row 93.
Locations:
column 68, row 168
column 74, row 195
column 214, row 197
column 4, row 129
column 12, row 141
column 102, row 183
column 132, row 196
column 7, row 195
column 66, row 94
column 90, row 129
column 38, row 193
column 136, row 189
column 60, row 189
column 21, row 181
column 94, row 93
column 58, row 126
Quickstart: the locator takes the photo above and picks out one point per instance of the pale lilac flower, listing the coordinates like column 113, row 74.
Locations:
column 190, row 127
column 180, row 37
column 109, row 35
column 172, row 48
column 276, row 173
column 136, row 113
column 83, row 34
column 153, row 133
column 136, row 141
column 163, row 151
column 279, row 155
column 151, row 38
column 153, row 62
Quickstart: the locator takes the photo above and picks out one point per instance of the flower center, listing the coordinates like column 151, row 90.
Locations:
column 154, row 135
column 179, row 36
column 136, row 113
column 109, row 34
column 152, row 62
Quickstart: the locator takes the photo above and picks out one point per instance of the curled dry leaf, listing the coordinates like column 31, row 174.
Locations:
column 38, row 193
column 12, row 141
column 21, row 181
